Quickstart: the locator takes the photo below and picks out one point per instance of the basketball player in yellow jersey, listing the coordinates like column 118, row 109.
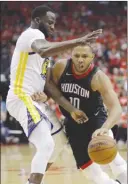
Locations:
column 88, row 88
column 27, row 60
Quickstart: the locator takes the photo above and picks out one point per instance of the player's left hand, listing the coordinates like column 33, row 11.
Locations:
column 39, row 97
column 101, row 131
column 79, row 116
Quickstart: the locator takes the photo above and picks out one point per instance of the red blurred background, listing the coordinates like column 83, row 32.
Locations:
column 73, row 19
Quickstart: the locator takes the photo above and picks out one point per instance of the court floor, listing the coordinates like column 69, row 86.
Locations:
column 15, row 166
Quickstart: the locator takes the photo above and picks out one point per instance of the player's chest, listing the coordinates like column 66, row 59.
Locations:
column 72, row 88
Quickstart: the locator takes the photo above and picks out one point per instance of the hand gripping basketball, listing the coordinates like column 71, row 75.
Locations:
column 101, row 131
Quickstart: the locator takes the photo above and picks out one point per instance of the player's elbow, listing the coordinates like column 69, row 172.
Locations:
column 42, row 53
column 41, row 47
column 47, row 86
column 119, row 110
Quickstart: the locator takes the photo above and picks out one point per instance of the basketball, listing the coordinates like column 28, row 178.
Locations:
column 102, row 149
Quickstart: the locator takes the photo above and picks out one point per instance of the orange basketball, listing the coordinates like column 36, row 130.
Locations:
column 102, row 149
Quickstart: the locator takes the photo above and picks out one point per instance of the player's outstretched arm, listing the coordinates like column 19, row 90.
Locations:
column 101, row 83
column 48, row 49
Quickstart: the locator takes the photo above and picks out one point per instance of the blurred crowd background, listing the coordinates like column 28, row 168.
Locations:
column 73, row 19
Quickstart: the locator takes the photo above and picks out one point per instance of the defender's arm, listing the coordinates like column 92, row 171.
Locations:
column 48, row 49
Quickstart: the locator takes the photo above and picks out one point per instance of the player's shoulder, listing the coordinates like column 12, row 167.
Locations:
column 99, row 74
column 27, row 37
column 61, row 62
column 98, row 79
column 59, row 67
column 29, row 32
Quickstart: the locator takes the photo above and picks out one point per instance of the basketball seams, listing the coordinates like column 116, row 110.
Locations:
column 103, row 149
column 94, row 140
column 99, row 162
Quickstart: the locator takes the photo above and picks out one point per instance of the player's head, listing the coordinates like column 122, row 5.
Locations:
column 82, row 56
column 45, row 19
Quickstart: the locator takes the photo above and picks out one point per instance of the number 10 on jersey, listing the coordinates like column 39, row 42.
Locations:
column 75, row 102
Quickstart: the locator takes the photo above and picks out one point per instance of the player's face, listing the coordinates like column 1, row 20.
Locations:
column 47, row 24
column 82, row 57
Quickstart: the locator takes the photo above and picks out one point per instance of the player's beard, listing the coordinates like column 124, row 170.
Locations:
column 43, row 29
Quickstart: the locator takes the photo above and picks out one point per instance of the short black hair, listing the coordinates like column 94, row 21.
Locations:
column 40, row 11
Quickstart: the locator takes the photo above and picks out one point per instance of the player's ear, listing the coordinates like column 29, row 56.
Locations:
column 37, row 20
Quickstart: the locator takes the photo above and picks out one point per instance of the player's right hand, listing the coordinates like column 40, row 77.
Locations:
column 91, row 37
column 79, row 116
column 100, row 131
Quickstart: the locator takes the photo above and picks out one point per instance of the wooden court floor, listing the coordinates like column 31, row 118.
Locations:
column 15, row 166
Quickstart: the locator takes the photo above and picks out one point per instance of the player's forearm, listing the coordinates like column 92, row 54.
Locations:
column 113, row 117
column 53, row 48
column 48, row 49
column 54, row 93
